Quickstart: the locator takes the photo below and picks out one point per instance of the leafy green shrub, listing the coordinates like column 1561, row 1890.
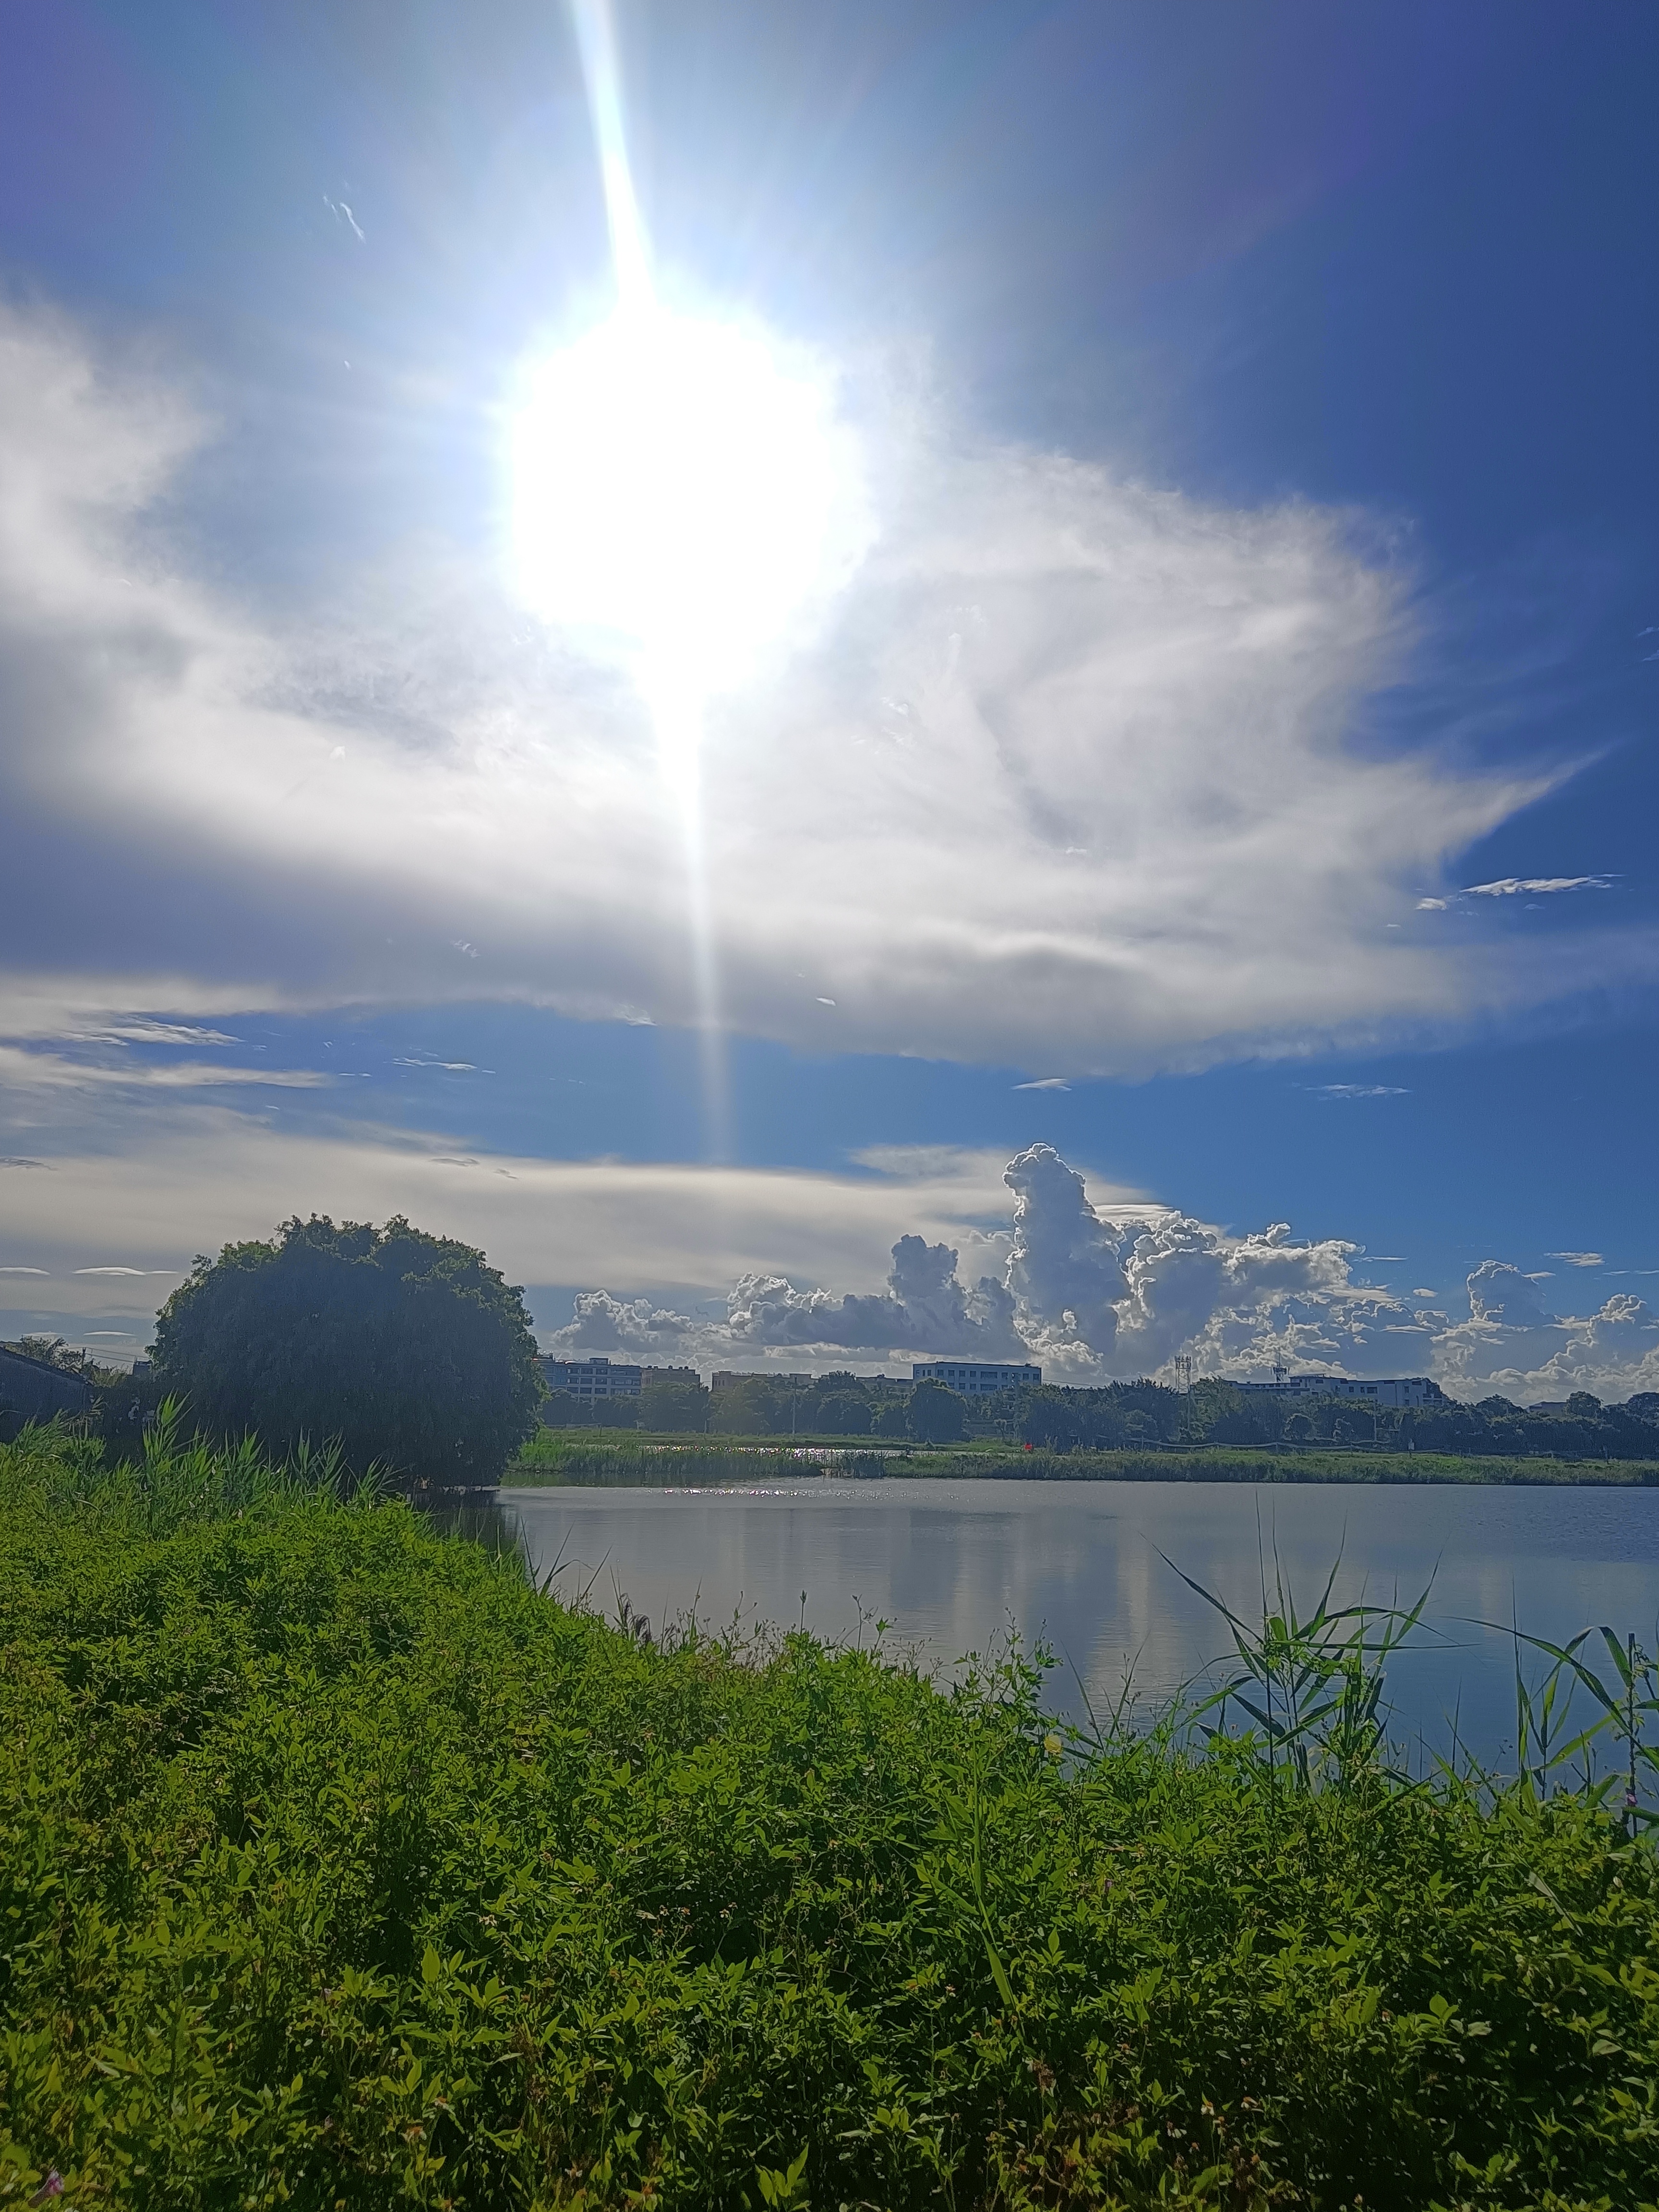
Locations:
column 339, row 1867
column 409, row 1351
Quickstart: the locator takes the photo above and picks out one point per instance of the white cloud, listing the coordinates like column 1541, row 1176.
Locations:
column 1512, row 886
column 23, row 1070
column 153, row 1032
column 1106, row 749
column 1580, row 1258
column 188, row 1176
column 1360, row 1090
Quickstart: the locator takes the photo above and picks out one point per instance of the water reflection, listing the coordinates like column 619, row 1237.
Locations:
column 482, row 1519
column 952, row 1566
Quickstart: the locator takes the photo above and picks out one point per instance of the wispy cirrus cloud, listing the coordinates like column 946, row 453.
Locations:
column 1359, row 1090
column 1503, row 887
column 153, row 1032
column 1536, row 886
column 24, row 1070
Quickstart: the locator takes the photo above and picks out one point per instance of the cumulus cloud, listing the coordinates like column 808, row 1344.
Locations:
column 924, row 1309
column 1098, row 1293
column 1109, row 752
column 752, row 1267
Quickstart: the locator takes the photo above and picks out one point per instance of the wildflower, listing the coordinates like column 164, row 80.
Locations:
column 1051, row 1743
column 52, row 2185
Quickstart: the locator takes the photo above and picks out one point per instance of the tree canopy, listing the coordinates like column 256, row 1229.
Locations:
column 410, row 1350
column 935, row 1415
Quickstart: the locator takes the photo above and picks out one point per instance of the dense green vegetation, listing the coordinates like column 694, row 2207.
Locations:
column 1215, row 1412
column 1129, row 1417
column 408, row 1351
column 604, row 1458
column 340, row 1867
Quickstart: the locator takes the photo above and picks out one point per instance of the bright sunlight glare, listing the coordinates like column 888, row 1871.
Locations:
column 676, row 490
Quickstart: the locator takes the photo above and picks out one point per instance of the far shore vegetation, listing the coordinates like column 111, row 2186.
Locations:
column 602, row 1457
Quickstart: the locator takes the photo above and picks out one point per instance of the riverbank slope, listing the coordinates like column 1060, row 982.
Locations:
column 340, row 1867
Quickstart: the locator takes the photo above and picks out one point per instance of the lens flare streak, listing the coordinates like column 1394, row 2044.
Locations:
column 679, row 496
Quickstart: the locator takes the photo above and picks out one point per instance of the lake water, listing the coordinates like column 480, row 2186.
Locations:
column 950, row 1566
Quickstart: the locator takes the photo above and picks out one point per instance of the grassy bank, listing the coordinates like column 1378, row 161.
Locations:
column 1306, row 1463
column 601, row 1457
column 338, row 1867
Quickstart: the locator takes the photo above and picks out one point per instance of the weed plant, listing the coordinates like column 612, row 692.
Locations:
column 341, row 1867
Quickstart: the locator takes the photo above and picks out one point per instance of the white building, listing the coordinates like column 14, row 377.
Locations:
column 1396, row 1391
column 588, row 1379
column 975, row 1378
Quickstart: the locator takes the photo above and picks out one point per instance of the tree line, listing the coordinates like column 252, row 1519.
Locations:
column 836, row 1405
column 1126, row 1414
column 1123, row 1416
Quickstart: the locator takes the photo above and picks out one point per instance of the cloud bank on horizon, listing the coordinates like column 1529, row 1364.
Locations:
column 1075, row 774
column 995, row 1258
column 1100, row 1293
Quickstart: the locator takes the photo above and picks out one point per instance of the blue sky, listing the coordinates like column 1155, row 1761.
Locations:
column 1254, row 550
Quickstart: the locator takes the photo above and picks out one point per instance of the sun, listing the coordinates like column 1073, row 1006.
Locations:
column 680, row 491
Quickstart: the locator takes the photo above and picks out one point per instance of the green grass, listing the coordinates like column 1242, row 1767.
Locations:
column 340, row 1867
column 598, row 1457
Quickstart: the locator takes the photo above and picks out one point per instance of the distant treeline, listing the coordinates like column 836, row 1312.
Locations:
column 835, row 1405
column 1214, row 1412
column 1127, row 1416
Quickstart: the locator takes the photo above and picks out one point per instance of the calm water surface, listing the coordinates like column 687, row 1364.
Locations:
column 950, row 1566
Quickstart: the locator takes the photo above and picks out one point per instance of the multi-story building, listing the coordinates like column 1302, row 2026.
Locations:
column 683, row 1375
column 588, row 1379
column 975, row 1378
column 1396, row 1390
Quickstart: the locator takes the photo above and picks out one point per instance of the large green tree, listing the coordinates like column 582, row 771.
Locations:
column 410, row 1350
column 936, row 1415
column 674, row 1402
